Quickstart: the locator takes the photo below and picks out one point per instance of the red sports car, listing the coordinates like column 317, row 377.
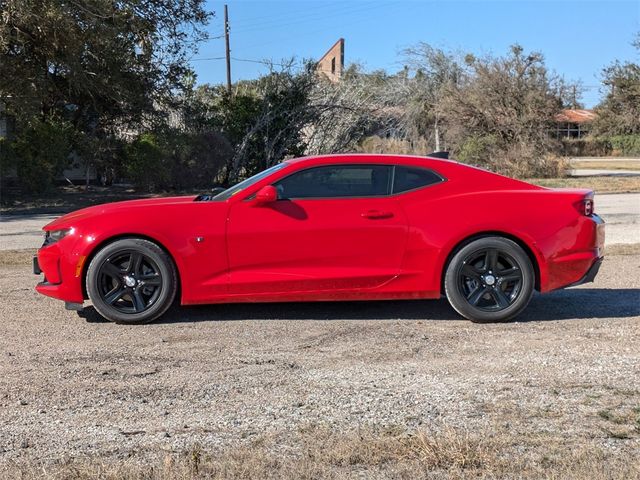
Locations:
column 337, row 227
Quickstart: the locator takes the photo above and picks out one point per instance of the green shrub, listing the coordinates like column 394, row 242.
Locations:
column 40, row 153
column 146, row 163
column 477, row 150
column 625, row 144
column 517, row 159
column 586, row 147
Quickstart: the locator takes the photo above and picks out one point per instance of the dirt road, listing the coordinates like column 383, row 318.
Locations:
column 621, row 212
column 566, row 375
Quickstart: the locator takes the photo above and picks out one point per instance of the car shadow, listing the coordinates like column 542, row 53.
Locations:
column 559, row 305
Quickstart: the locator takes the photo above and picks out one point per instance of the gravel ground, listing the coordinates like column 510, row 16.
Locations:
column 23, row 231
column 224, row 375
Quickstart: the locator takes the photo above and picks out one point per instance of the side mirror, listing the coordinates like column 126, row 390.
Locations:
column 266, row 194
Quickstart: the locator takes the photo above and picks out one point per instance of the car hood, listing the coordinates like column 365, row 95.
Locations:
column 71, row 219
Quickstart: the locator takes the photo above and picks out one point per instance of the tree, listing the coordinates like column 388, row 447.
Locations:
column 435, row 70
column 103, row 66
column 97, row 61
column 39, row 154
column 499, row 114
column 619, row 112
column 270, row 114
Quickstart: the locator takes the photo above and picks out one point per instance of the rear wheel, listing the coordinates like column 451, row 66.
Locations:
column 490, row 280
column 131, row 281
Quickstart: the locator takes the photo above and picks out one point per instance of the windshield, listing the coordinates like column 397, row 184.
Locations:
column 231, row 191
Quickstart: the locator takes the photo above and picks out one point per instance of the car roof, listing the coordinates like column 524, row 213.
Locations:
column 473, row 177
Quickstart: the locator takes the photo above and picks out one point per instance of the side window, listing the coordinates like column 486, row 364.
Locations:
column 409, row 178
column 337, row 181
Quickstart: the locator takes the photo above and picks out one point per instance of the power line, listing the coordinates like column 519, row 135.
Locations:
column 206, row 59
column 307, row 33
column 279, row 23
column 291, row 14
column 264, row 62
column 250, row 60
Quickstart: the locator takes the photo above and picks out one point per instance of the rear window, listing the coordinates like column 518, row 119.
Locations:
column 410, row 178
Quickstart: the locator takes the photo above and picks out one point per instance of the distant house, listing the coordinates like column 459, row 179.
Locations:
column 574, row 123
column 332, row 63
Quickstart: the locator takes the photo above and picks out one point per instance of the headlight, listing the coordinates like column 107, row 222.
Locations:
column 52, row 236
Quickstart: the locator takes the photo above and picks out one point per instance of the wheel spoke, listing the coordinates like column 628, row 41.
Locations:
column 135, row 263
column 114, row 295
column 470, row 271
column 138, row 302
column 491, row 260
column 510, row 274
column 511, row 278
column 474, row 297
column 500, row 298
column 112, row 270
column 152, row 280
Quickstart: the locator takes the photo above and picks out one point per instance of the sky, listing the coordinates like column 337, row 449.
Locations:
column 577, row 38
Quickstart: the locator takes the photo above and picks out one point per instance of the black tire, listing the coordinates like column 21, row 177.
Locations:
column 490, row 279
column 131, row 281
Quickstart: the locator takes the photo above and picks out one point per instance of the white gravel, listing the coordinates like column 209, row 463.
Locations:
column 226, row 374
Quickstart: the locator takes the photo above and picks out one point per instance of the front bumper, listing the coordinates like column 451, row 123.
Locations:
column 36, row 266
column 57, row 268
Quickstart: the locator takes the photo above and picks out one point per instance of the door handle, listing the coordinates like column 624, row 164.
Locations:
column 377, row 214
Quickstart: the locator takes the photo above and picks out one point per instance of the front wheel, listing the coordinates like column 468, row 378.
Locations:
column 131, row 281
column 490, row 280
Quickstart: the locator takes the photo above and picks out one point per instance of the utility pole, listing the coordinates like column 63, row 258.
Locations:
column 226, row 40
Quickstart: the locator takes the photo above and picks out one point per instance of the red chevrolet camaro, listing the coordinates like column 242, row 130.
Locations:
column 337, row 227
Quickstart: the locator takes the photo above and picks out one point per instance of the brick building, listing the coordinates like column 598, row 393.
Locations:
column 332, row 63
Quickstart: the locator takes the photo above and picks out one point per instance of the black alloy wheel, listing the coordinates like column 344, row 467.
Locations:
column 131, row 281
column 490, row 280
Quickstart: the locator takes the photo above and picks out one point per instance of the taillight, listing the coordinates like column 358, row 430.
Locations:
column 585, row 206
column 588, row 206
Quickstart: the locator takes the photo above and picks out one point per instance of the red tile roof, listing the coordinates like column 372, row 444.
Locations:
column 575, row 116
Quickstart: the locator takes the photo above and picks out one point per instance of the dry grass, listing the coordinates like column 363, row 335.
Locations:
column 597, row 184
column 623, row 249
column 319, row 453
column 612, row 165
column 17, row 257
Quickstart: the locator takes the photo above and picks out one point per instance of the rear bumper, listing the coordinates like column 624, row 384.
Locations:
column 590, row 275
column 579, row 257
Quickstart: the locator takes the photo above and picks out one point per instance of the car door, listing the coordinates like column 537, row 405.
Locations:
column 333, row 227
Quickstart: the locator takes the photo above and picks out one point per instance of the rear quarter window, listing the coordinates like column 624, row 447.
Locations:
column 411, row 178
